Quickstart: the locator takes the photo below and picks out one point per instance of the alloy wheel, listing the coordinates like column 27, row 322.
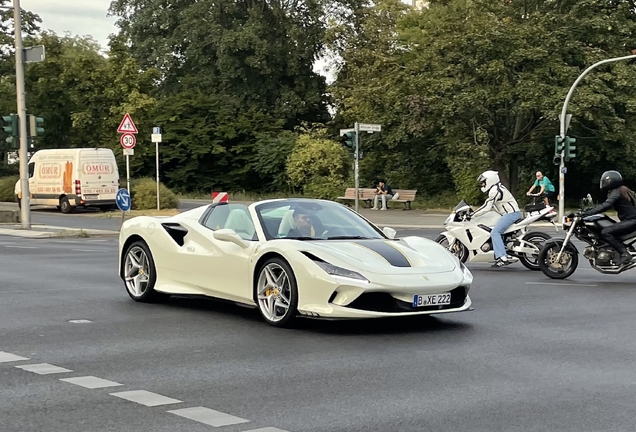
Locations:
column 274, row 292
column 137, row 271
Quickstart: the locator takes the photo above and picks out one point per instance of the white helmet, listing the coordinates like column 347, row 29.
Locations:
column 488, row 179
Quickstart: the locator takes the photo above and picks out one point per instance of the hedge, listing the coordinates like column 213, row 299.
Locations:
column 7, row 188
column 144, row 195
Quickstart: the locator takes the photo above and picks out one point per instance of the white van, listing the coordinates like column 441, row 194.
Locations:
column 68, row 178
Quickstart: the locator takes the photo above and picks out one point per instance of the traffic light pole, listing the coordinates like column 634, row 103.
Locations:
column 25, row 202
column 563, row 129
column 357, row 157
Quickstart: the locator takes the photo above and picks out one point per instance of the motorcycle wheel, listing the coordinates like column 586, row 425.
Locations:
column 547, row 264
column 458, row 249
column 531, row 261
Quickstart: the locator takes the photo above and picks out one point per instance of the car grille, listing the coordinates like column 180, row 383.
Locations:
column 384, row 302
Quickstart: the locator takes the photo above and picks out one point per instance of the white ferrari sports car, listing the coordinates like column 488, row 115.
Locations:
column 291, row 258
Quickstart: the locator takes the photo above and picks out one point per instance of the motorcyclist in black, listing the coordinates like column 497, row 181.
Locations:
column 619, row 200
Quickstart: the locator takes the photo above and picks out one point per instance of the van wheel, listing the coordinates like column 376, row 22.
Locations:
column 65, row 205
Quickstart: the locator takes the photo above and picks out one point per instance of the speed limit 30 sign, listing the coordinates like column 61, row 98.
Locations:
column 127, row 140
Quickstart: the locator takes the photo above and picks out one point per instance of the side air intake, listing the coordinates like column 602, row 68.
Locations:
column 176, row 231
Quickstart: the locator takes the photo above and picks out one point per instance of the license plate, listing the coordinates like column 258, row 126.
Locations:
column 431, row 300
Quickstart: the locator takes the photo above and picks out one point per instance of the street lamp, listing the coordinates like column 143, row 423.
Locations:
column 563, row 128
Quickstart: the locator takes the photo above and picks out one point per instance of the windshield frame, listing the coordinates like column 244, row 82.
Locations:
column 260, row 208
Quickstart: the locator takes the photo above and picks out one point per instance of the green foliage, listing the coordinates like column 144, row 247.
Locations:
column 144, row 195
column 318, row 166
column 7, row 188
column 271, row 156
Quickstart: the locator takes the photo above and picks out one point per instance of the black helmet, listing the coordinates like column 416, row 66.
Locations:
column 611, row 180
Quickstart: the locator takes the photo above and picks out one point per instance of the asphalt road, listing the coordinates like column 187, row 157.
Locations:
column 534, row 355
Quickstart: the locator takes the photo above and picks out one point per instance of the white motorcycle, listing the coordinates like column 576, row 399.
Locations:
column 469, row 239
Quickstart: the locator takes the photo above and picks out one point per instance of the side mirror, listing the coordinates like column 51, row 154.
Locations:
column 389, row 232
column 231, row 236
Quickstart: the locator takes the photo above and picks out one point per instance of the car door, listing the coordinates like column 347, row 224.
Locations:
column 222, row 268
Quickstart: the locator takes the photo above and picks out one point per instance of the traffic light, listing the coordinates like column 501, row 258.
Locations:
column 348, row 139
column 12, row 127
column 558, row 144
column 570, row 150
column 35, row 126
column 556, row 159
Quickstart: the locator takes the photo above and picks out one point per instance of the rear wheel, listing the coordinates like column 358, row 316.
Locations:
column 140, row 275
column 458, row 249
column 531, row 261
column 557, row 269
column 65, row 205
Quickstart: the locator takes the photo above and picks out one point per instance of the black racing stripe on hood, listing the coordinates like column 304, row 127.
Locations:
column 386, row 251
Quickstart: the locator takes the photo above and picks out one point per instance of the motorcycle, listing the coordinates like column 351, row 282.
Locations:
column 469, row 239
column 559, row 258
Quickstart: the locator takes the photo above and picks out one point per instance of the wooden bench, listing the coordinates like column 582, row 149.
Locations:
column 366, row 195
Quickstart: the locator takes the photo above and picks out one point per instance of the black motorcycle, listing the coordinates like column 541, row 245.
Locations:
column 559, row 258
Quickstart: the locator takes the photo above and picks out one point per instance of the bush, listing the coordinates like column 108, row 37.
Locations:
column 144, row 195
column 7, row 188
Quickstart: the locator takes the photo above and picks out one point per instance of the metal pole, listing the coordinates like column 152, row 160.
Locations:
column 25, row 215
column 128, row 174
column 157, row 144
column 563, row 129
column 357, row 129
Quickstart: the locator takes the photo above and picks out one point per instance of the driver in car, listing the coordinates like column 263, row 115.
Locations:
column 303, row 224
column 619, row 199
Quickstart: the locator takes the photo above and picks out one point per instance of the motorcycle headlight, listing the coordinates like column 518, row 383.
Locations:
column 340, row 272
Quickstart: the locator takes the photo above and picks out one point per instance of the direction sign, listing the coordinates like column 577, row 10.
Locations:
column 370, row 127
column 127, row 125
column 123, row 199
column 128, row 140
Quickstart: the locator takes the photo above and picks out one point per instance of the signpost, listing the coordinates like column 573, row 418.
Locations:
column 127, row 128
column 123, row 202
column 156, row 138
column 346, row 135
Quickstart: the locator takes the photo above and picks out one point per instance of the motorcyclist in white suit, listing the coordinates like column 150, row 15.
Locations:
column 501, row 200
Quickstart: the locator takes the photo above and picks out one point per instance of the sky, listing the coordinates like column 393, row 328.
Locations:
column 79, row 17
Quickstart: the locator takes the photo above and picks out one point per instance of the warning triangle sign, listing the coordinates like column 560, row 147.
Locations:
column 127, row 125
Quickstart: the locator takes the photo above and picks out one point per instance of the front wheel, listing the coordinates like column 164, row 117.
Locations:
column 458, row 249
column 531, row 261
column 276, row 293
column 561, row 269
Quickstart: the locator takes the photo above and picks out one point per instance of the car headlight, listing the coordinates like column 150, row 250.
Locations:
column 465, row 272
column 340, row 272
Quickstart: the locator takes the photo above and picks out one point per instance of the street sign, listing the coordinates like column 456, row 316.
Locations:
column 370, row 127
column 129, row 152
column 155, row 138
column 123, row 200
column 344, row 131
column 33, row 54
column 128, row 140
column 127, row 125
column 156, row 130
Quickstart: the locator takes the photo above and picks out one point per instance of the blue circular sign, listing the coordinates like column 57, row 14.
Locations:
column 123, row 200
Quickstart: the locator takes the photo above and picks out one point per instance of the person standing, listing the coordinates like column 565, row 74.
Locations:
column 547, row 188
column 383, row 190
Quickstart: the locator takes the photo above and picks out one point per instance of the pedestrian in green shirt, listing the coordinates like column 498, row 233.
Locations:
column 547, row 188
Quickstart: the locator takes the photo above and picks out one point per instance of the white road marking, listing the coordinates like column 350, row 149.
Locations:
column 44, row 368
column 21, row 247
column 8, row 357
column 80, row 321
column 144, row 397
column 266, row 429
column 208, row 416
column 558, row 283
column 88, row 250
column 91, row 382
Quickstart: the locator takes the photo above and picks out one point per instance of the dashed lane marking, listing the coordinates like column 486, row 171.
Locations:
column 44, row 368
column 146, row 398
column 266, row 429
column 559, row 283
column 208, row 416
column 8, row 357
column 91, row 382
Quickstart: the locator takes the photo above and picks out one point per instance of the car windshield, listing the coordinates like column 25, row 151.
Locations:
column 313, row 220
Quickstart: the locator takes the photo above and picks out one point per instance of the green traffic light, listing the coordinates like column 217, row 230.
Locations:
column 35, row 126
column 12, row 127
column 570, row 150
